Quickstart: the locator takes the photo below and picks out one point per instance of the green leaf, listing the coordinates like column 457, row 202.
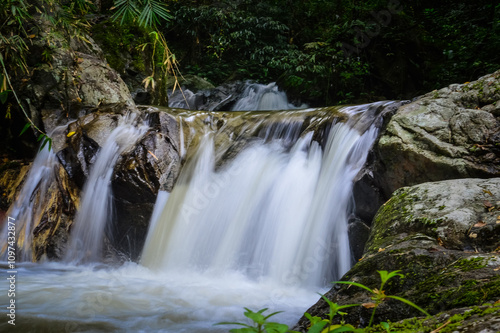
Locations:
column 255, row 316
column 40, row 137
column 47, row 140
column 4, row 95
column 231, row 323
column 354, row 284
column 317, row 327
column 275, row 327
column 385, row 276
column 345, row 328
column 272, row 314
column 410, row 303
column 25, row 128
column 244, row 330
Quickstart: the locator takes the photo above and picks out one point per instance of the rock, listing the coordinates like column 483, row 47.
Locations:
column 445, row 239
column 446, row 134
column 12, row 174
column 220, row 98
column 52, row 232
column 358, row 232
column 74, row 79
column 191, row 82
column 152, row 165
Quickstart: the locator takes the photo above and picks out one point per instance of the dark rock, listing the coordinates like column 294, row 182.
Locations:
column 358, row 233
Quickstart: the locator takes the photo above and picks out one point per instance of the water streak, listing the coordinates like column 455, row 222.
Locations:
column 29, row 206
column 87, row 236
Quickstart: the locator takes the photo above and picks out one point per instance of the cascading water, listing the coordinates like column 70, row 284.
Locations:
column 262, row 97
column 27, row 209
column 254, row 96
column 274, row 212
column 87, row 236
column 264, row 226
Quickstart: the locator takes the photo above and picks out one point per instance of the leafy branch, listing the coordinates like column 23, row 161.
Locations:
column 148, row 14
column 3, row 89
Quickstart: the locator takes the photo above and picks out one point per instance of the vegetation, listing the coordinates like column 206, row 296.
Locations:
column 331, row 52
column 261, row 324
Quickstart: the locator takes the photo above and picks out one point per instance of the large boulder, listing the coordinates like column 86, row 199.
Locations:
column 70, row 76
column 152, row 165
column 446, row 134
column 445, row 239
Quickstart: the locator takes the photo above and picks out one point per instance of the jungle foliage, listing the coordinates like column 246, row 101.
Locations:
column 341, row 51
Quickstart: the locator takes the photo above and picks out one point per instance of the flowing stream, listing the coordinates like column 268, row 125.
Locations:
column 265, row 228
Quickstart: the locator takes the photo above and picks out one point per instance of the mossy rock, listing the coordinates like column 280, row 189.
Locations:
column 444, row 237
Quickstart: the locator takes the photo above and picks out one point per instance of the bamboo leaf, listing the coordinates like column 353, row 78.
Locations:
column 354, row 284
column 25, row 128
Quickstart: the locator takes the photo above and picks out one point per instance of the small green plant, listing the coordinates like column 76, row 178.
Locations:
column 261, row 324
column 318, row 324
column 379, row 294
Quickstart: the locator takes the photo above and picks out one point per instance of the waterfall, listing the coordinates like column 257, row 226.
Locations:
column 257, row 218
column 246, row 96
column 278, row 210
column 87, row 237
column 27, row 210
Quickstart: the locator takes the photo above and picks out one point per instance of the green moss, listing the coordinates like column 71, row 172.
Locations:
column 439, row 321
column 469, row 264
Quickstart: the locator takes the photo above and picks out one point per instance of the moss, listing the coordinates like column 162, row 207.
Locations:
column 469, row 264
column 444, row 322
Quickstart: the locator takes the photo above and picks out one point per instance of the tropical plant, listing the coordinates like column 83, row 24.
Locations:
column 149, row 14
column 378, row 294
column 13, row 49
column 260, row 324
column 329, row 324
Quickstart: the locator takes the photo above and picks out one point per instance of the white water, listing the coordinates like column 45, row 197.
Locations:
column 55, row 297
column 87, row 236
column 271, row 213
column 262, row 97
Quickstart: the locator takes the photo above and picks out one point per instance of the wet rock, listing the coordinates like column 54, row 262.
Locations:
column 358, row 232
column 445, row 239
column 52, row 232
column 220, row 98
column 12, row 175
column 152, row 165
